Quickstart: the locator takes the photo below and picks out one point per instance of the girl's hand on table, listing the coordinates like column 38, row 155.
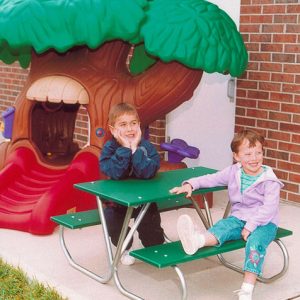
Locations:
column 184, row 189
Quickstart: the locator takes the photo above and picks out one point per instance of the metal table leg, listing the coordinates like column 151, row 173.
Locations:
column 77, row 266
column 200, row 213
column 182, row 282
column 123, row 243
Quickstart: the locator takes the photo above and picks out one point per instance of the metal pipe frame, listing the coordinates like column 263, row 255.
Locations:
column 125, row 239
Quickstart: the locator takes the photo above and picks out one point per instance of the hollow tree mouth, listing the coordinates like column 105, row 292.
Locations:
column 52, row 131
column 52, row 120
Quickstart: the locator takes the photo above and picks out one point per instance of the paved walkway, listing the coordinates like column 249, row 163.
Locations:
column 41, row 257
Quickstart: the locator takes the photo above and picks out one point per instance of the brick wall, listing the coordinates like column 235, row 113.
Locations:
column 268, row 94
column 157, row 131
column 12, row 79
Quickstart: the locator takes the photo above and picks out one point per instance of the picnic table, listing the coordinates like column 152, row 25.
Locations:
column 133, row 193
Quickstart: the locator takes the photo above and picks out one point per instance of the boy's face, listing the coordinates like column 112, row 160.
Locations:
column 251, row 158
column 127, row 126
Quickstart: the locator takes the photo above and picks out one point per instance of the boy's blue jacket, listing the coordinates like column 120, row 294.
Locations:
column 118, row 162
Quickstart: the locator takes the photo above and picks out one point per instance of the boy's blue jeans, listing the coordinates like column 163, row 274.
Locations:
column 256, row 245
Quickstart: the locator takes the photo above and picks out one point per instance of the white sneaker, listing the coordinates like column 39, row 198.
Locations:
column 127, row 259
column 191, row 240
column 245, row 293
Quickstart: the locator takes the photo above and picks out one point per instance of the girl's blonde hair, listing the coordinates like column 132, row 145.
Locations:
column 119, row 110
column 248, row 134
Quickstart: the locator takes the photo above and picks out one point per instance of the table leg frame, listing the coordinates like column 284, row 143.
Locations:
column 113, row 260
column 182, row 282
column 123, row 243
column 77, row 266
column 125, row 239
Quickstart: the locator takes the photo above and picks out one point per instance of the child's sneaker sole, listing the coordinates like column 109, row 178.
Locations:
column 186, row 233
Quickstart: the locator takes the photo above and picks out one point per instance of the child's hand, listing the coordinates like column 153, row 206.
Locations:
column 186, row 188
column 245, row 234
column 120, row 139
column 136, row 140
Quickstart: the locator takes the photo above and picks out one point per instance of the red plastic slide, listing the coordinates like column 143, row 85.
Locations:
column 31, row 193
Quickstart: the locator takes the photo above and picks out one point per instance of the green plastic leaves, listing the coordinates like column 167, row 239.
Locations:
column 140, row 61
column 196, row 33
column 63, row 24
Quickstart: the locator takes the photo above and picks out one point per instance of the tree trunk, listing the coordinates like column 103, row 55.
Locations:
column 104, row 75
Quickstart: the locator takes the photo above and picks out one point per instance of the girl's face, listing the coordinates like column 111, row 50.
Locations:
column 251, row 158
column 127, row 126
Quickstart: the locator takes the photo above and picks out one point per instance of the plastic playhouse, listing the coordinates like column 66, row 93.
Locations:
column 90, row 66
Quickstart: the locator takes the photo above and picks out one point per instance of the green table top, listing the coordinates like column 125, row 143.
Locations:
column 133, row 192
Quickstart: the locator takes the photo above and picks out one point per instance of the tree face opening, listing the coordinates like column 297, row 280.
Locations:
column 56, row 102
column 52, row 131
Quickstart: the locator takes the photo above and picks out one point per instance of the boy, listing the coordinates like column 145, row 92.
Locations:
column 127, row 154
column 254, row 194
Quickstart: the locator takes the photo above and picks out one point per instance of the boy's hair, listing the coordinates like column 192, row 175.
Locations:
column 248, row 134
column 119, row 110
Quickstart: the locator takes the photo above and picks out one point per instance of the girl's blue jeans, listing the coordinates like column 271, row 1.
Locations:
column 230, row 229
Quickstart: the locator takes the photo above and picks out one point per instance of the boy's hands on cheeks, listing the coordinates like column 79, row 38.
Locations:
column 185, row 188
column 130, row 142
column 123, row 141
column 136, row 140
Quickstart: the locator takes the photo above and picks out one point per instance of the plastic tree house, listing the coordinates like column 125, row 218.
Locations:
column 77, row 53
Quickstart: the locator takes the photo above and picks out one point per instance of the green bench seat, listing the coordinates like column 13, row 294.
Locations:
column 88, row 218
column 78, row 220
column 171, row 254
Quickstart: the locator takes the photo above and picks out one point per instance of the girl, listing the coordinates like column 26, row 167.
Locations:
column 254, row 194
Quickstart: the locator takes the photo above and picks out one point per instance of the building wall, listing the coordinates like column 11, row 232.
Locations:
column 268, row 95
column 12, row 79
column 207, row 120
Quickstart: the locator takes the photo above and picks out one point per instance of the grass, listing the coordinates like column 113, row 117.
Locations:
column 16, row 285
